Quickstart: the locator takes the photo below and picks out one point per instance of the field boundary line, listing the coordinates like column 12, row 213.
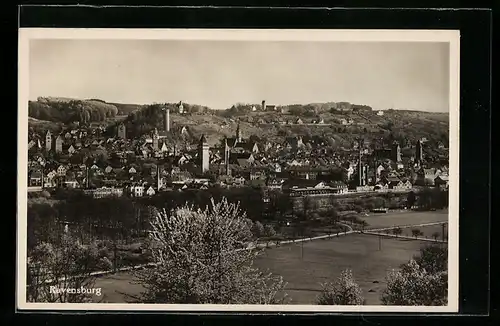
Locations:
column 404, row 237
column 405, row 226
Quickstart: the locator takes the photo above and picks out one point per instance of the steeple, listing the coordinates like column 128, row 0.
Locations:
column 155, row 139
column 238, row 133
column 203, row 154
column 226, row 156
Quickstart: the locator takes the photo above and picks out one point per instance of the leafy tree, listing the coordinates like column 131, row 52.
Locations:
column 415, row 286
column 200, row 259
column 397, row 231
column 257, row 229
column 416, row 233
column 435, row 235
column 411, row 199
column 269, row 231
column 345, row 291
column 433, row 258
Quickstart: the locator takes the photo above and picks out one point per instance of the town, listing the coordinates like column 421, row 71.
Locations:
column 153, row 163
column 293, row 172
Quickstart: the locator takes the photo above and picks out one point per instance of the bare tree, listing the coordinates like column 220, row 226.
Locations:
column 62, row 273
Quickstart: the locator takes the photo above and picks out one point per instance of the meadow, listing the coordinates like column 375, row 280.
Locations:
column 305, row 267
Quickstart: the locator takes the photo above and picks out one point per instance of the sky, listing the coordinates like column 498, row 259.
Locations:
column 218, row 74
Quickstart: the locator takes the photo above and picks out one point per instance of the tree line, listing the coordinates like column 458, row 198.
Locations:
column 68, row 111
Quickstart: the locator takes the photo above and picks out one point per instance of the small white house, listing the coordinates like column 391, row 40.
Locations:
column 380, row 113
column 150, row 191
column 137, row 191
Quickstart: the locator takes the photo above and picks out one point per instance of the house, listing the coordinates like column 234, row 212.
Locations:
column 380, row 113
column 150, row 191
column 339, row 187
column 299, row 121
column 35, row 178
column 426, row 177
column 104, row 192
column 381, row 186
column 275, row 184
column 108, row 169
column 132, row 170
column 136, row 191
column 442, row 181
column 61, row 170
column 71, row 149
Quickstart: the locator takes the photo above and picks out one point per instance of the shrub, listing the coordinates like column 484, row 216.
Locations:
column 345, row 291
column 414, row 286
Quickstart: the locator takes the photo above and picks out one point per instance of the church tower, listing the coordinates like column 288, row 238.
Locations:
column 155, row 139
column 48, row 141
column 122, row 131
column 361, row 168
column 419, row 155
column 238, row 133
column 227, row 153
column 203, row 154
column 396, row 152
column 166, row 119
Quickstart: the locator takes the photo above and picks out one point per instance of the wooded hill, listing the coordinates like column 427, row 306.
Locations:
column 341, row 122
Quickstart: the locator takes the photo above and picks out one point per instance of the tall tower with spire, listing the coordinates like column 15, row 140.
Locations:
column 159, row 178
column 203, row 154
column 396, row 152
column 227, row 153
column 238, row 133
column 419, row 155
column 361, row 167
column 48, row 141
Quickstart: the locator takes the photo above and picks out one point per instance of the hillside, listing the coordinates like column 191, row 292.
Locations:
column 404, row 126
column 340, row 127
column 66, row 110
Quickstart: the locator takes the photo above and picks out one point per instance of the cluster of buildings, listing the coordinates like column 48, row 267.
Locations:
column 101, row 166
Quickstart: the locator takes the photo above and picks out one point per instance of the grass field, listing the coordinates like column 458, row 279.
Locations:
column 322, row 260
column 391, row 219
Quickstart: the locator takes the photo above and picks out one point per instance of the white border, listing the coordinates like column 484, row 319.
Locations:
column 449, row 36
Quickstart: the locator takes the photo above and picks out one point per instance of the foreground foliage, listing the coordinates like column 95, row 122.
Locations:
column 67, row 265
column 421, row 282
column 202, row 257
column 345, row 291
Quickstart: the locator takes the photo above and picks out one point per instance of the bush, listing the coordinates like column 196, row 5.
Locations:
column 414, row 286
column 345, row 291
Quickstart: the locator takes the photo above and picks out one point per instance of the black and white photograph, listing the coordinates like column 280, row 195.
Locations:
column 238, row 170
